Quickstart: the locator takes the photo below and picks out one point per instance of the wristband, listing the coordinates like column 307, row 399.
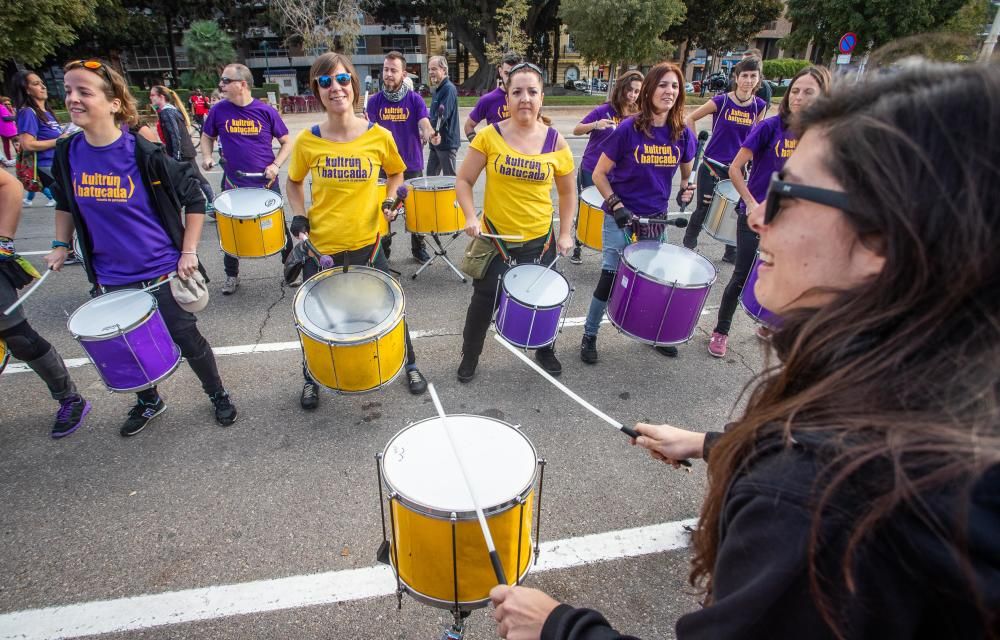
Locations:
column 189, row 253
column 612, row 200
column 59, row 243
column 6, row 246
column 471, row 136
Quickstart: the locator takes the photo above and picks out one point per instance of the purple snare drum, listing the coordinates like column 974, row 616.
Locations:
column 532, row 300
column 124, row 335
column 659, row 292
column 748, row 300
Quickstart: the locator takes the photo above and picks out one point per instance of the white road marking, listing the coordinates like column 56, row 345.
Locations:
column 208, row 603
column 269, row 347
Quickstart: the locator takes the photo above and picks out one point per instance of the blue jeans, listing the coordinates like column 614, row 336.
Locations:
column 614, row 241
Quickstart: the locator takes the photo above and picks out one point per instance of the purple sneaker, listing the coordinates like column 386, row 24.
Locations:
column 71, row 413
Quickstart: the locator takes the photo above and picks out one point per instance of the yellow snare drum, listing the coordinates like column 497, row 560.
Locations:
column 4, row 354
column 383, row 224
column 351, row 328
column 251, row 222
column 431, row 206
column 590, row 219
column 432, row 518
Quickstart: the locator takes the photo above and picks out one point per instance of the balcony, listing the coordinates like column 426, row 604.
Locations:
column 409, row 29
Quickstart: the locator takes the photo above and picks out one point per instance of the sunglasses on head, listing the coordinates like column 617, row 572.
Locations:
column 523, row 65
column 343, row 79
column 94, row 65
column 780, row 189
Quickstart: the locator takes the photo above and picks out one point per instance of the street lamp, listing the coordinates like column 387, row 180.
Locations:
column 264, row 44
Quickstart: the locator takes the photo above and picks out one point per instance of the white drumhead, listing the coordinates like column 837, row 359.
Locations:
column 356, row 306
column 247, row 202
column 592, row 197
column 98, row 318
column 727, row 190
column 432, row 183
column 669, row 263
column 418, row 463
column 550, row 290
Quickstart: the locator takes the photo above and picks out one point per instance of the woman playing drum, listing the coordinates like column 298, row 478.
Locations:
column 342, row 156
column 769, row 144
column 599, row 124
column 132, row 237
column 856, row 497
column 634, row 174
column 733, row 116
column 521, row 156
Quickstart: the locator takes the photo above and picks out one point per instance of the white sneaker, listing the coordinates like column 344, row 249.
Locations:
column 230, row 285
column 50, row 203
column 27, row 202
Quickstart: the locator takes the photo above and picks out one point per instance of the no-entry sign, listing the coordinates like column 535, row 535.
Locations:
column 847, row 42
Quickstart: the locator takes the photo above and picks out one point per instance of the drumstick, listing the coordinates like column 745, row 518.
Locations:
column 542, row 274
column 150, row 287
column 27, row 293
column 501, row 237
column 244, row 174
column 632, row 433
column 494, row 557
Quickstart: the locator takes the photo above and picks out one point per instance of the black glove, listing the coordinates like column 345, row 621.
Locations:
column 623, row 217
column 300, row 224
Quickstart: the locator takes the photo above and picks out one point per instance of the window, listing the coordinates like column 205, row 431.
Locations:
column 570, row 47
column 572, row 74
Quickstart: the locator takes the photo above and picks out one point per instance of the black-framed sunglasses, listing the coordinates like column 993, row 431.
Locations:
column 343, row 79
column 224, row 81
column 779, row 189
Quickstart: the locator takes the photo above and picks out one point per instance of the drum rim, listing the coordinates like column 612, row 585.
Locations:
column 757, row 319
column 412, row 183
column 718, row 186
column 524, row 304
column 225, row 214
column 641, row 274
column 438, row 514
column 465, row 605
column 80, row 337
column 584, row 200
column 398, row 311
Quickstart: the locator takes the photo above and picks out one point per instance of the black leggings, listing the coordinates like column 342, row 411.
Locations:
column 26, row 345
column 484, row 292
column 706, row 191
column 746, row 251
column 358, row 257
column 183, row 328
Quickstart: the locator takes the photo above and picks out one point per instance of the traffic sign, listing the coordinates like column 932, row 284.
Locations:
column 847, row 42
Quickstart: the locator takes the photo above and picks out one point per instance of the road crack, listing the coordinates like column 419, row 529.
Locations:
column 267, row 314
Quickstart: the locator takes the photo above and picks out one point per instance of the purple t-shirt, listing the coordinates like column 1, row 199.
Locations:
column 597, row 137
column 130, row 243
column 644, row 166
column 28, row 122
column 492, row 107
column 771, row 145
column 246, row 134
column 402, row 119
column 731, row 123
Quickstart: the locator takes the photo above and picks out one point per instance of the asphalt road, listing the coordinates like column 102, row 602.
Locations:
column 188, row 504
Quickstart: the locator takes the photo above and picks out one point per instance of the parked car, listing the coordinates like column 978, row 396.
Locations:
column 582, row 85
column 689, row 88
column 697, row 86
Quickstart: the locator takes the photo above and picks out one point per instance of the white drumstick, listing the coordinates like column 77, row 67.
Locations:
column 27, row 293
column 494, row 557
column 542, row 274
column 501, row 237
column 134, row 291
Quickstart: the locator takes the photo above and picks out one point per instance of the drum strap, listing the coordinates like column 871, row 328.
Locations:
column 500, row 245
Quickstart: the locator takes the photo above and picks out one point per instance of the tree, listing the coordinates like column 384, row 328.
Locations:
column 174, row 16
column 31, row 32
column 717, row 25
column 621, row 31
column 781, row 68
column 512, row 38
column 209, row 50
column 321, row 24
column 877, row 22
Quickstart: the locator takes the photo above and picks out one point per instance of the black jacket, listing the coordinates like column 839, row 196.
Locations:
column 176, row 137
column 908, row 583
column 444, row 114
column 172, row 188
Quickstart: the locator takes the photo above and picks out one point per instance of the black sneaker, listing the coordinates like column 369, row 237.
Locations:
column 420, row 254
column 588, row 349
column 467, row 369
column 670, row 352
column 140, row 415
column 577, row 257
column 71, row 413
column 547, row 358
column 416, row 381
column 310, row 396
column 729, row 255
column 225, row 412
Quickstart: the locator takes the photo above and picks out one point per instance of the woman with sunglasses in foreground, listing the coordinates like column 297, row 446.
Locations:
column 768, row 145
column 522, row 157
column 131, row 238
column 342, row 157
column 857, row 496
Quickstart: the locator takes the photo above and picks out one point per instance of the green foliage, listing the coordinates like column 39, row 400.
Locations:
column 209, row 48
column 511, row 36
column 30, row 32
column 723, row 24
column 199, row 79
column 878, row 22
column 779, row 92
column 141, row 95
column 273, row 87
column 621, row 31
column 781, row 68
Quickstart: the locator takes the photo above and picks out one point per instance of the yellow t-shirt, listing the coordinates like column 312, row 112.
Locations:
column 344, row 186
column 519, row 186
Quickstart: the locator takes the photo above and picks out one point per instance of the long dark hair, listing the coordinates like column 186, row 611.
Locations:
column 622, row 86
column 21, row 100
column 898, row 377
column 822, row 77
column 675, row 118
